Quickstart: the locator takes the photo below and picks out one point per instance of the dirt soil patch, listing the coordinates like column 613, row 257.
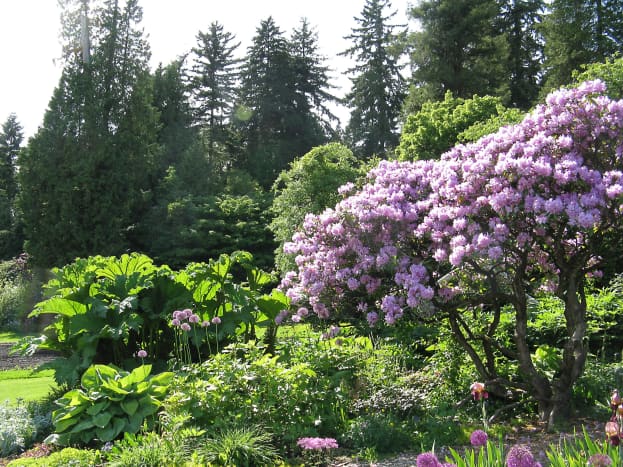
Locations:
column 11, row 361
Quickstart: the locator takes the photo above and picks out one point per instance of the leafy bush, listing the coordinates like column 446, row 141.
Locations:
column 577, row 453
column 106, row 309
column 17, row 428
column 382, row 432
column 289, row 400
column 67, row 457
column 109, row 402
column 14, row 289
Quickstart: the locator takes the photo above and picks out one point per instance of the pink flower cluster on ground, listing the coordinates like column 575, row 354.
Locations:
column 317, row 444
column 538, row 190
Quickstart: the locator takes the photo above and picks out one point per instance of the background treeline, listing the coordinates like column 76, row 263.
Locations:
column 203, row 155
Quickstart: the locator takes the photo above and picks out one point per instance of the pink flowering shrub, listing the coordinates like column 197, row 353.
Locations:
column 490, row 224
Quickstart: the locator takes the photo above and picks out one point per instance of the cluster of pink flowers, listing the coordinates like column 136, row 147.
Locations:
column 317, row 444
column 183, row 319
column 538, row 189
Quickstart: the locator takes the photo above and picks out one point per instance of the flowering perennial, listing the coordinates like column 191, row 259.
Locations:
column 520, row 456
column 478, row 438
column 317, row 443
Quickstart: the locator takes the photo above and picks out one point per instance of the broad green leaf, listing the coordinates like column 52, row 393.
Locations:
column 139, row 374
column 60, row 306
column 97, row 408
column 63, row 425
column 111, row 431
column 83, row 425
column 102, row 419
column 129, row 406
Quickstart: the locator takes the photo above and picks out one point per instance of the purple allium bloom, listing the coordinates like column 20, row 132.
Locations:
column 296, row 319
column 478, row 438
column 205, row 323
column 141, row 354
column 193, row 318
column 427, row 459
column 175, row 322
column 317, row 443
column 216, row 320
column 185, row 327
column 599, row 460
column 520, row 456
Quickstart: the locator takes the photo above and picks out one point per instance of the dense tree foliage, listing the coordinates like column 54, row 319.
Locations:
column 276, row 128
column 11, row 138
column 212, row 83
column 578, row 32
column 440, row 125
column 377, row 85
column 519, row 20
column 86, row 172
column 490, row 224
column 309, row 186
column 458, row 49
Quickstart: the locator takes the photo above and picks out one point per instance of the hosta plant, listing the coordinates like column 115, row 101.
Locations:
column 108, row 402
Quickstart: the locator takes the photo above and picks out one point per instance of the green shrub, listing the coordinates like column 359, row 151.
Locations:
column 576, row 453
column 378, row 431
column 67, row 457
column 109, row 402
column 289, row 400
column 17, row 429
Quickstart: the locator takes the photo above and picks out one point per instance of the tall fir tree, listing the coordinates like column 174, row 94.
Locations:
column 11, row 138
column 212, row 80
column 579, row 32
column 312, row 80
column 458, row 48
column 520, row 20
column 378, row 87
column 88, row 170
column 274, row 129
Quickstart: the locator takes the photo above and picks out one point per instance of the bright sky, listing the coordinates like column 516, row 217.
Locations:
column 29, row 34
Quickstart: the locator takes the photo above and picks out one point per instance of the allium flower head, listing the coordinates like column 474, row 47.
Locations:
column 141, row 354
column 599, row 460
column 520, row 456
column 216, row 320
column 185, row 327
column 193, row 318
column 427, row 459
column 478, row 438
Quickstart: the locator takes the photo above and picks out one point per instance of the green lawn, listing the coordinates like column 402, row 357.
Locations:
column 25, row 384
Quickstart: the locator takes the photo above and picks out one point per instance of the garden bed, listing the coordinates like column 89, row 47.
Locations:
column 9, row 362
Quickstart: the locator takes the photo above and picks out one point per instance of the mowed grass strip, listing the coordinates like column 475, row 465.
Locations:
column 25, row 384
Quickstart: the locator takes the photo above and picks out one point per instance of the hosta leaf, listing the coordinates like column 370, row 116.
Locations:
column 82, row 426
column 129, row 406
column 102, row 419
column 97, row 408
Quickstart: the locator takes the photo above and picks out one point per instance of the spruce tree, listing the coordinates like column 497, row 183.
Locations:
column 212, row 81
column 274, row 128
column 579, row 32
column 460, row 49
column 519, row 20
column 378, row 87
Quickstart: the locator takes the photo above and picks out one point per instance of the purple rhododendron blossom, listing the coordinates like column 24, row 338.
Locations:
column 504, row 200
